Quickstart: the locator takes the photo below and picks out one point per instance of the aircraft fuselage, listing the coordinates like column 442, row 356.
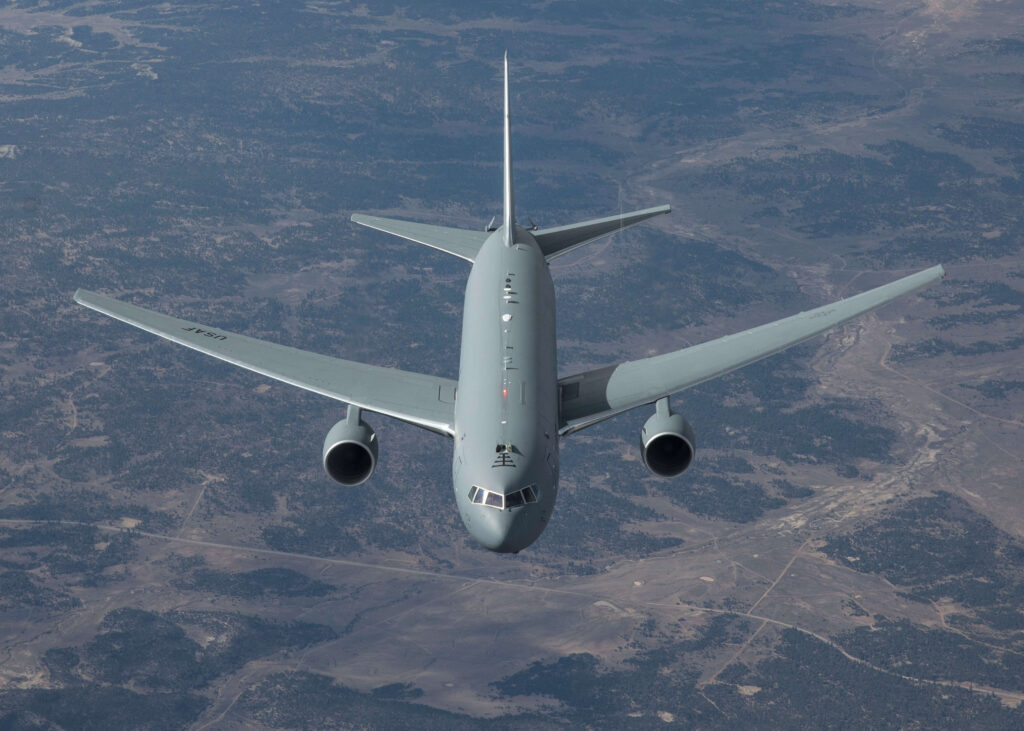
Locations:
column 505, row 462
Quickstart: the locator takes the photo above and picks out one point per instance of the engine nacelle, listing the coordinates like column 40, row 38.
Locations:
column 667, row 442
column 350, row 450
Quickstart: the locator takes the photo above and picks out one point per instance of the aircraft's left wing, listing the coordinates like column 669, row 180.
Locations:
column 426, row 401
column 590, row 397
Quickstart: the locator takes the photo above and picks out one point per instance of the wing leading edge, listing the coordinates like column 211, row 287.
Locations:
column 426, row 401
column 590, row 397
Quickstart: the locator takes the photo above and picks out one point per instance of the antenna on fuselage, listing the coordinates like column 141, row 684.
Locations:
column 509, row 199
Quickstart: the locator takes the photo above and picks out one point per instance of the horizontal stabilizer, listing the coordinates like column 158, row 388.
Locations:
column 563, row 239
column 460, row 242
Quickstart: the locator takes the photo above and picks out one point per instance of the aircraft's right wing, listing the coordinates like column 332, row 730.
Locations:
column 590, row 397
column 426, row 401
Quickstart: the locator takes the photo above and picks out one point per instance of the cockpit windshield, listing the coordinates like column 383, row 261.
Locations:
column 516, row 499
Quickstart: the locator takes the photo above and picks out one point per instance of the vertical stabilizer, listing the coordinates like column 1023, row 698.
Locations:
column 509, row 199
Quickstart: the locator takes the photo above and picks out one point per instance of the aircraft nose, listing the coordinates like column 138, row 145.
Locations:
column 502, row 531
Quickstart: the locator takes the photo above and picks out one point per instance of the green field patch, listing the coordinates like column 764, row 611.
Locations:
column 275, row 581
column 178, row 651
column 939, row 548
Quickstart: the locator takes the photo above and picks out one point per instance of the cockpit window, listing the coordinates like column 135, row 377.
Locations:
column 516, row 499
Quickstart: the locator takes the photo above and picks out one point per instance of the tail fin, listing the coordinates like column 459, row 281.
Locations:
column 509, row 197
column 563, row 239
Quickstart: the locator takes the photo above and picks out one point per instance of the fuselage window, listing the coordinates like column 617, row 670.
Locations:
column 514, row 500
column 494, row 500
column 478, row 498
column 529, row 494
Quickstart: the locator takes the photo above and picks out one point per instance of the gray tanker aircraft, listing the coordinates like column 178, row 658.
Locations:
column 508, row 409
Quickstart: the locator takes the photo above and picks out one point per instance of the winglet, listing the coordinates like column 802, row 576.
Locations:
column 508, row 198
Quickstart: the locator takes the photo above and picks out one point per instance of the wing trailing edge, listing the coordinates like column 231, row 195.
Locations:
column 590, row 397
column 562, row 239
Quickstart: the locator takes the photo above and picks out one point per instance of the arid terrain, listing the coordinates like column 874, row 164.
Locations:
column 848, row 548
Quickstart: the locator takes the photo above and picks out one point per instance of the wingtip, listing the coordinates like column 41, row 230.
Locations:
column 363, row 220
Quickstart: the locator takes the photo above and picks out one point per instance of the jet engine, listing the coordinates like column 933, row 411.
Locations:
column 667, row 442
column 350, row 449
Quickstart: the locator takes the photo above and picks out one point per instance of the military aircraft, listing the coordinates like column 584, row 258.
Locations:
column 509, row 409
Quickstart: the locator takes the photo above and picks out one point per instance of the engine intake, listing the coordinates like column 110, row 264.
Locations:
column 667, row 442
column 350, row 450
